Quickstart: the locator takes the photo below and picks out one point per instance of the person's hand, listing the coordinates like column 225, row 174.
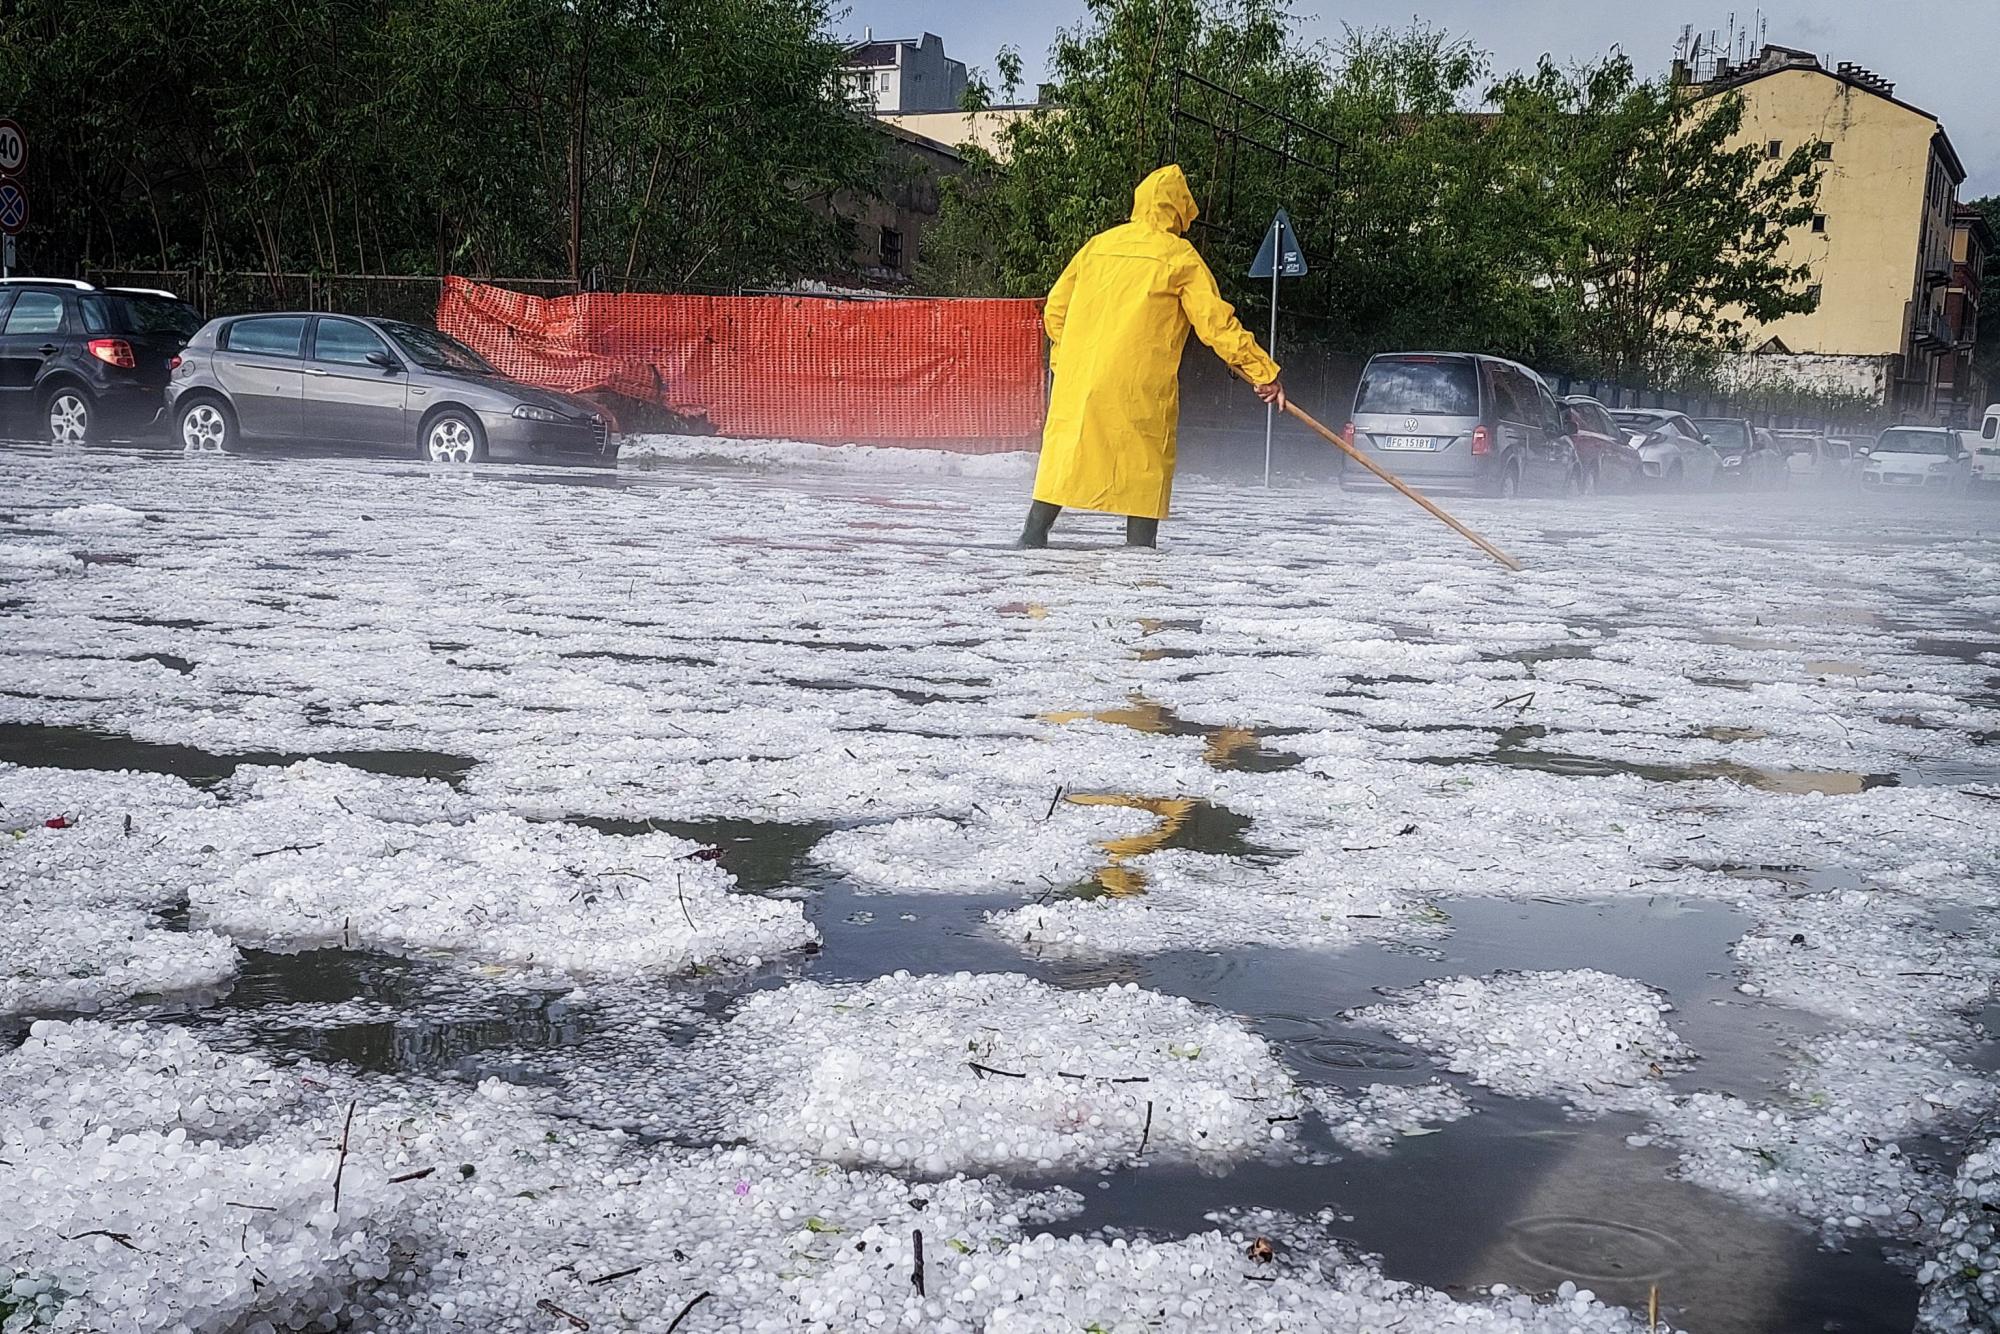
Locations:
column 1273, row 393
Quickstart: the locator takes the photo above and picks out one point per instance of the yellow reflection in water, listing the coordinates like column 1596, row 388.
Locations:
column 1116, row 876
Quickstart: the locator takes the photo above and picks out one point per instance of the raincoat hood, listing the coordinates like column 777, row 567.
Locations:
column 1163, row 201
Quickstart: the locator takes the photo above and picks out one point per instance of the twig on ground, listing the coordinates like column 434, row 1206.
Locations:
column 917, row 1260
column 693, row 1302
column 614, row 1277
column 984, row 1070
column 1146, row 1134
column 1052, row 802
column 341, row 1168
column 122, row 1238
column 575, row 1321
column 417, row 1175
column 680, row 890
column 293, row 847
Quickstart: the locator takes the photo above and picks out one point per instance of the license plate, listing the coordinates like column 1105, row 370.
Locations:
column 1407, row 442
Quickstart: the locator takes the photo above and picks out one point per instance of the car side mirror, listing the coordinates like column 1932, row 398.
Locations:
column 380, row 358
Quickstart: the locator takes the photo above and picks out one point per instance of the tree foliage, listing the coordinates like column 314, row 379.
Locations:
column 416, row 135
column 1586, row 220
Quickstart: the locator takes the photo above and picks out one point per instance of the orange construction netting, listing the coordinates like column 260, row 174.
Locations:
column 954, row 374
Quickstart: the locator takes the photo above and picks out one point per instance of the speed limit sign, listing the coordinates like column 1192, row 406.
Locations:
column 13, row 149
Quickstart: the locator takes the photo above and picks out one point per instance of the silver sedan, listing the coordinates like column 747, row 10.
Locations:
column 349, row 379
column 1673, row 452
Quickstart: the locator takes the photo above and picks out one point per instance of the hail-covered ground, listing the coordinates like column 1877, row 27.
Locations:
column 741, row 892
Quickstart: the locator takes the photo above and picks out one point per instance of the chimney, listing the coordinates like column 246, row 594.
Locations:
column 868, row 34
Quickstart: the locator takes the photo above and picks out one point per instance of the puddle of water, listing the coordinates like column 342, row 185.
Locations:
column 1972, row 652
column 1734, row 733
column 39, row 744
column 170, row 661
column 1522, row 1195
column 1184, row 822
column 1153, row 625
column 1827, row 782
column 764, row 857
column 443, row 1022
column 1828, row 667
column 1231, row 748
column 908, row 696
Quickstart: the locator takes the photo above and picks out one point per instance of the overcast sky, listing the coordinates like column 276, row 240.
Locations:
column 1940, row 56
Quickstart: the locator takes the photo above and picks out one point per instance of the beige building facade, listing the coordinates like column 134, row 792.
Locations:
column 1880, row 243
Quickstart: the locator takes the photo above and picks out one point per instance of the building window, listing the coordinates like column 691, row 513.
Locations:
column 1774, row 149
column 892, row 249
column 1823, row 151
column 1819, row 222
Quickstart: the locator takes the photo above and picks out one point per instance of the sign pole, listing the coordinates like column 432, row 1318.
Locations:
column 1271, row 409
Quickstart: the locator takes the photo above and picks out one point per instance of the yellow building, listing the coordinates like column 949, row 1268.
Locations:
column 986, row 128
column 1880, row 244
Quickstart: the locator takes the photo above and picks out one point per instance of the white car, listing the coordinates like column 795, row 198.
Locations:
column 1920, row 458
column 1985, row 447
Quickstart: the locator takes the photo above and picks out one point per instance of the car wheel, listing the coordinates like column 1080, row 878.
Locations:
column 453, row 437
column 1510, row 481
column 67, row 412
column 1676, row 478
column 205, row 427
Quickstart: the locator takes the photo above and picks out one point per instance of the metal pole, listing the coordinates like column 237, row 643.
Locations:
column 1271, row 409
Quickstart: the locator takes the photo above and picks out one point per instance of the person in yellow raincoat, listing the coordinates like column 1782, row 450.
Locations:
column 1117, row 321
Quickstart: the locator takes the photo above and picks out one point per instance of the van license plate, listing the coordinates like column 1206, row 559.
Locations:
column 1407, row 442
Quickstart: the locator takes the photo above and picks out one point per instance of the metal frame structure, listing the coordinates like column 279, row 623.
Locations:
column 1234, row 122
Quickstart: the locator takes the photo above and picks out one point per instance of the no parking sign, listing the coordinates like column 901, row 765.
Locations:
column 13, row 208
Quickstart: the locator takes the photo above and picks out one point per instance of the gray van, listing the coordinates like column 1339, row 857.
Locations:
column 1460, row 422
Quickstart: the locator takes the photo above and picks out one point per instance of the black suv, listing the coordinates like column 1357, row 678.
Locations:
column 79, row 362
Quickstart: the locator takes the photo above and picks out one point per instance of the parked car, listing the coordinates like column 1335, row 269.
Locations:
column 1605, row 453
column 1672, row 450
column 1917, row 457
column 80, row 362
column 1749, row 456
column 1986, row 450
column 1812, row 459
column 357, row 380
column 1460, row 421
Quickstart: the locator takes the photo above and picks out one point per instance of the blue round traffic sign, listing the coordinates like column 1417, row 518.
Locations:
column 13, row 208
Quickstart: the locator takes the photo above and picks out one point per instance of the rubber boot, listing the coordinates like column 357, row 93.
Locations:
column 1041, row 518
column 1141, row 532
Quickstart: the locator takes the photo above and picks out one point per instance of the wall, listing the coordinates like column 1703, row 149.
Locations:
column 906, row 203
column 982, row 129
column 1873, row 197
column 1873, row 376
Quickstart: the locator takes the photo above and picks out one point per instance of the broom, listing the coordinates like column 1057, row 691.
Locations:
column 1332, row 439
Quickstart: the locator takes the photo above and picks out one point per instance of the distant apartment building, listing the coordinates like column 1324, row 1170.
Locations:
column 1880, row 242
column 1963, row 393
column 904, row 74
column 984, row 129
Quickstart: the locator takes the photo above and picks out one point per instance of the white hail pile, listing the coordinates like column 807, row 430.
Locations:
column 1310, row 901
column 1962, row 1276
column 989, row 1072
column 1832, row 1152
column 1588, row 1037
column 153, row 1185
column 81, row 893
column 1383, row 1113
column 1011, row 848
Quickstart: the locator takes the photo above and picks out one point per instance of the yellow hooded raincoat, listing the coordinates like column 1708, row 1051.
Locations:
column 1117, row 321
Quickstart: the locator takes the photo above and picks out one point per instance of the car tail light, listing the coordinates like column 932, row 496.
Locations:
column 113, row 351
column 1482, row 440
column 174, row 362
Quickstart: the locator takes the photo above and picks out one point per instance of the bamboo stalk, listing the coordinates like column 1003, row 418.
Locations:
column 1495, row 552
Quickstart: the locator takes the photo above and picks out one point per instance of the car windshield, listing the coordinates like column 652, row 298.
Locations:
column 1724, row 434
column 1916, row 442
column 162, row 315
column 1419, row 386
column 437, row 351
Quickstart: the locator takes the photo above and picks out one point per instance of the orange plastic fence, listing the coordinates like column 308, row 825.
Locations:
column 953, row 374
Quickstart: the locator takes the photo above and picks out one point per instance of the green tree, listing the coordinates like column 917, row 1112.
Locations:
column 1663, row 240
